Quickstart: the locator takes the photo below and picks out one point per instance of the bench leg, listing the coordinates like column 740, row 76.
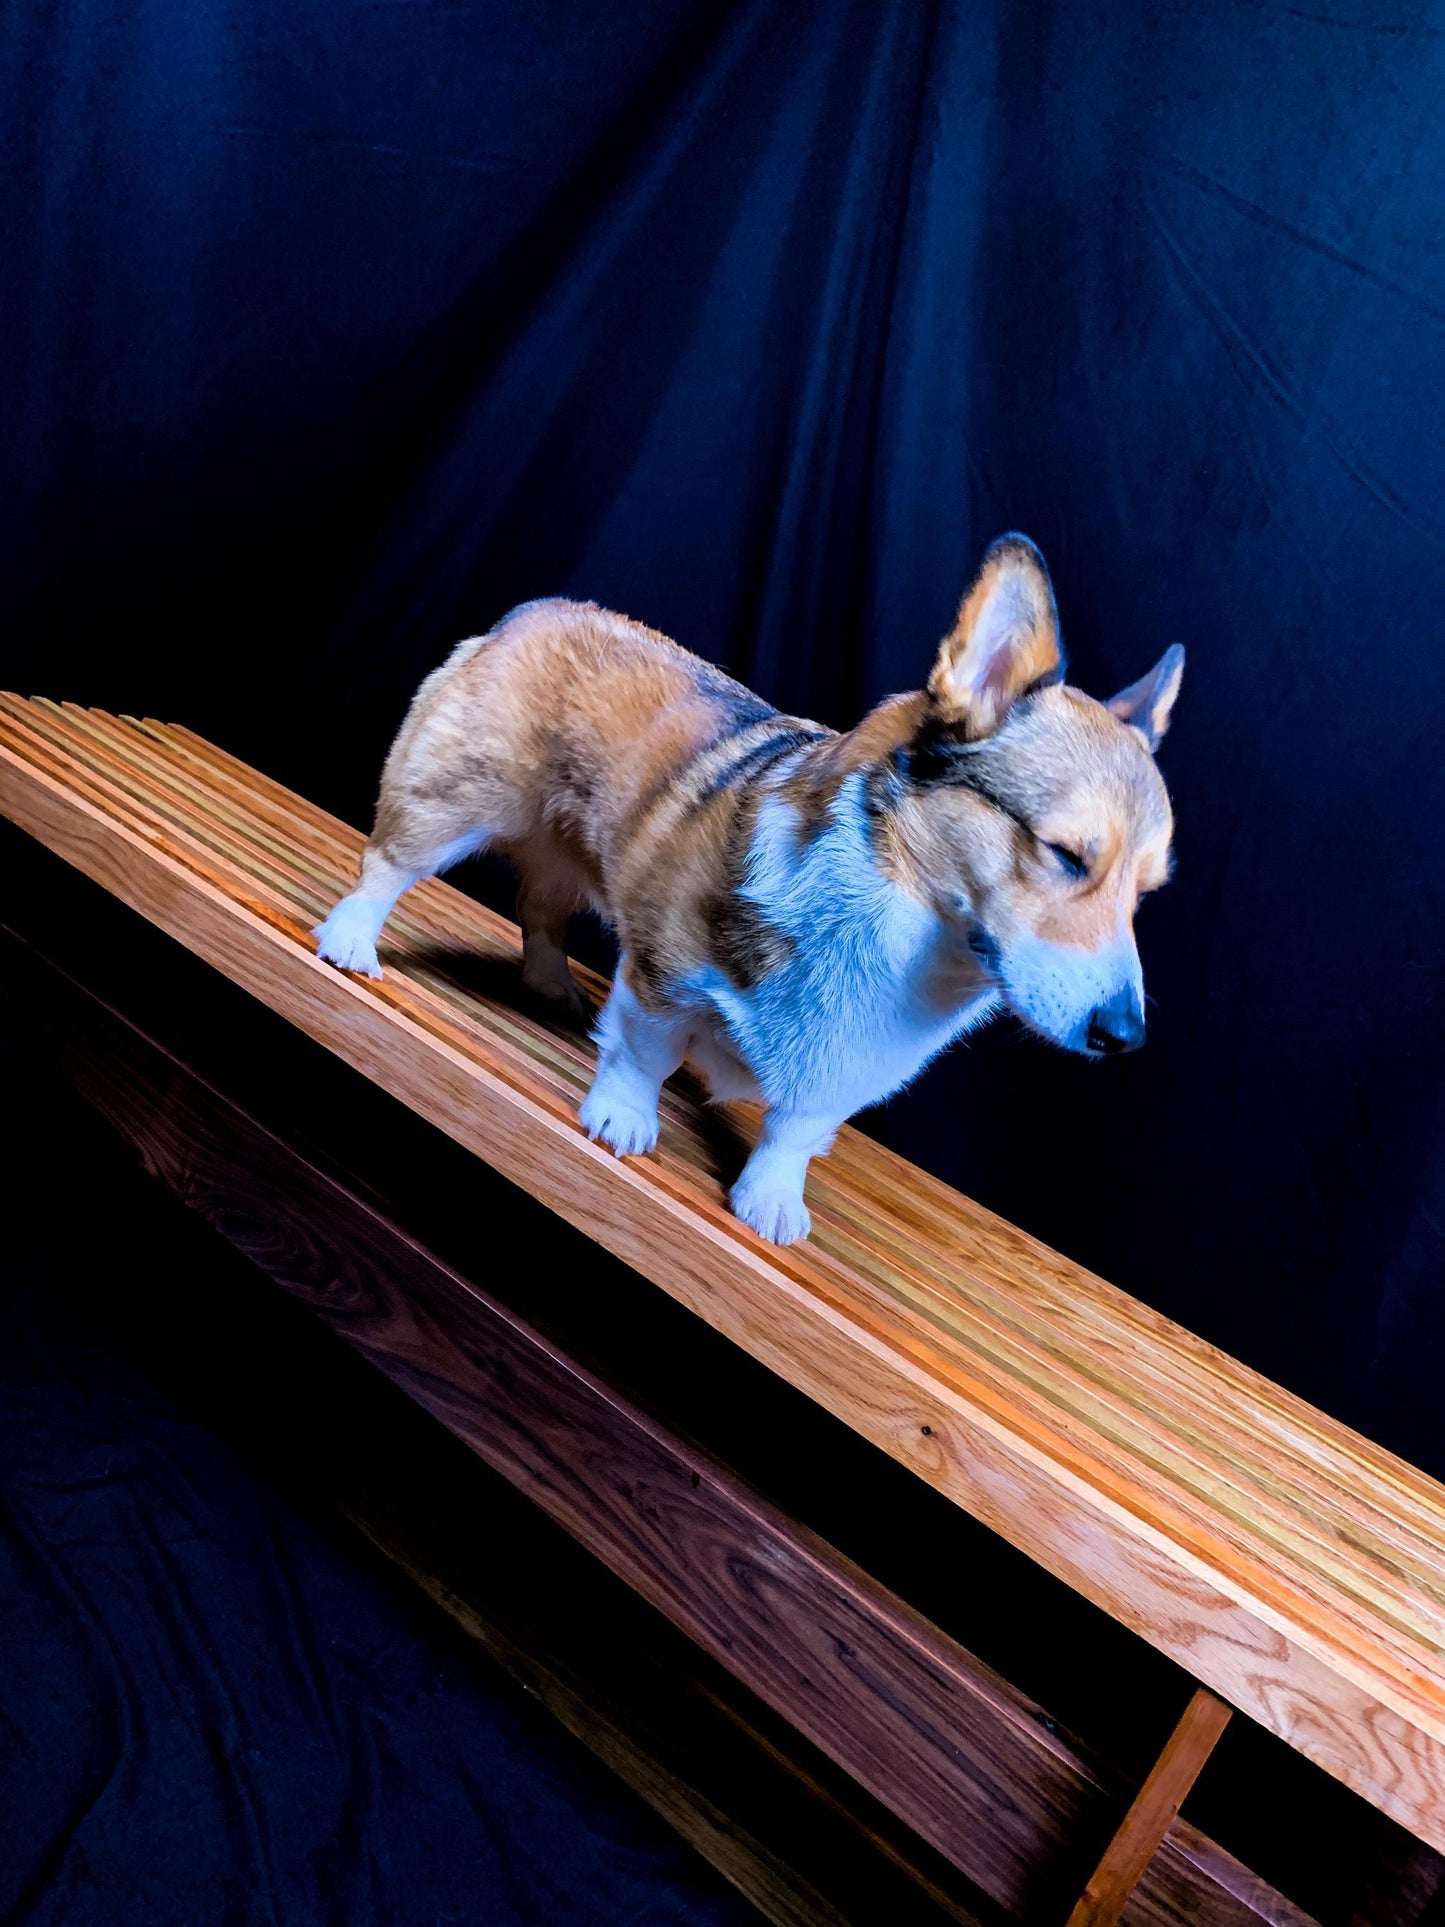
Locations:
column 1153, row 1812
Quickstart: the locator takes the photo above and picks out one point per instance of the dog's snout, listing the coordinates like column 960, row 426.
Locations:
column 1116, row 1026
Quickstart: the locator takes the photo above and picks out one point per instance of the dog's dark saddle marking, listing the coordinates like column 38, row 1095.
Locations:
column 758, row 757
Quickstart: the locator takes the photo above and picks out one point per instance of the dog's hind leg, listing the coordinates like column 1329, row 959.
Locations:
column 546, row 899
column 454, row 781
column 388, row 869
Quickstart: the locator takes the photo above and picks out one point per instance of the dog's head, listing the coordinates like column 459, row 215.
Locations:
column 1037, row 817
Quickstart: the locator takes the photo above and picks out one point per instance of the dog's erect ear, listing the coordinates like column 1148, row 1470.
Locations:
column 1149, row 703
column 1005, row 640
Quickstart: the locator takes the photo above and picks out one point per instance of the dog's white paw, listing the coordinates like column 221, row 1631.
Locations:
column 613, row 1119
column 775, row 1214
column 348, row 938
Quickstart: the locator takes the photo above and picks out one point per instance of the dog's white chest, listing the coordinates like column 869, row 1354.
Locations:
column 865, row 997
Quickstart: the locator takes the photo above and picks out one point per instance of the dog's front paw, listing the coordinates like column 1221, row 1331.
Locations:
column 774, row 1213
column 618, row 1123
column 348, row 939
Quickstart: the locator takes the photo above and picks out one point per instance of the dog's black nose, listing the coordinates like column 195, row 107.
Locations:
column 1116, row 1026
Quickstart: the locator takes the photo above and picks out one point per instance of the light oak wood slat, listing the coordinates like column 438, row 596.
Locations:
column 1408, row 1549
column 926, row 1210
column 306, row 857
column 91, row 732
column 1152, row 1812
column 218, row 851
column 205, row 855
column 1180, row 1442
column 101, row 731
column 1360, row 1697
column 456, row 1024
column 578, row 1068
column 1257, row 1487
column 96, row 729
column 1363, row 1462
column 1163, row 1360
column 222, row 852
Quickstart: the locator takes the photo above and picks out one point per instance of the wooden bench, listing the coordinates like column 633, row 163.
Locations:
column 1292, row 1568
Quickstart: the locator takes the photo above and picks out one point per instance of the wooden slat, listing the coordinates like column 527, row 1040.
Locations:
column 970, row 1763
column 778, row 1892
column 419, row 893
column 1301, row 1471
column 733, row 1782
column 1289, row 1564
column 1189, row 1866
column 973, row 1765
column 1303, row 1477
column 1151, row 1814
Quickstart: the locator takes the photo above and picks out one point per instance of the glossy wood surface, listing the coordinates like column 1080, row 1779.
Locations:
column 1288, row 1563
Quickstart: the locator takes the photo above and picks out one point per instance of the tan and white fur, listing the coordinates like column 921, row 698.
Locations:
column 807, row 916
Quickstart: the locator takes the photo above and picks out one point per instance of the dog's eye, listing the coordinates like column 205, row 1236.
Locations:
column 1071, row 860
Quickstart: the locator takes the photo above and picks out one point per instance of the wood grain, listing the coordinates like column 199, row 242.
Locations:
column 1152, row 1812
column 773, row 1887
column 1288, row 1563
column 1189, row 1864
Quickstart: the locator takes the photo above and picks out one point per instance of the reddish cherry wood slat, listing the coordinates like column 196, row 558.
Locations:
column 1152, row 1813
column 945, row 1743
column 958, row 1753
column 1289, row 1564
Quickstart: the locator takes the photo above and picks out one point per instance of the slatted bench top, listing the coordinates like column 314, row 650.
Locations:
column 1282, row 1559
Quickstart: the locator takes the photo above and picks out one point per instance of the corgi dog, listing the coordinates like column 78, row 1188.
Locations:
column 807, row 916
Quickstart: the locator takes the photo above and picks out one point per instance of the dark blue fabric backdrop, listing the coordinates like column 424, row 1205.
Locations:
column 333, row 329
